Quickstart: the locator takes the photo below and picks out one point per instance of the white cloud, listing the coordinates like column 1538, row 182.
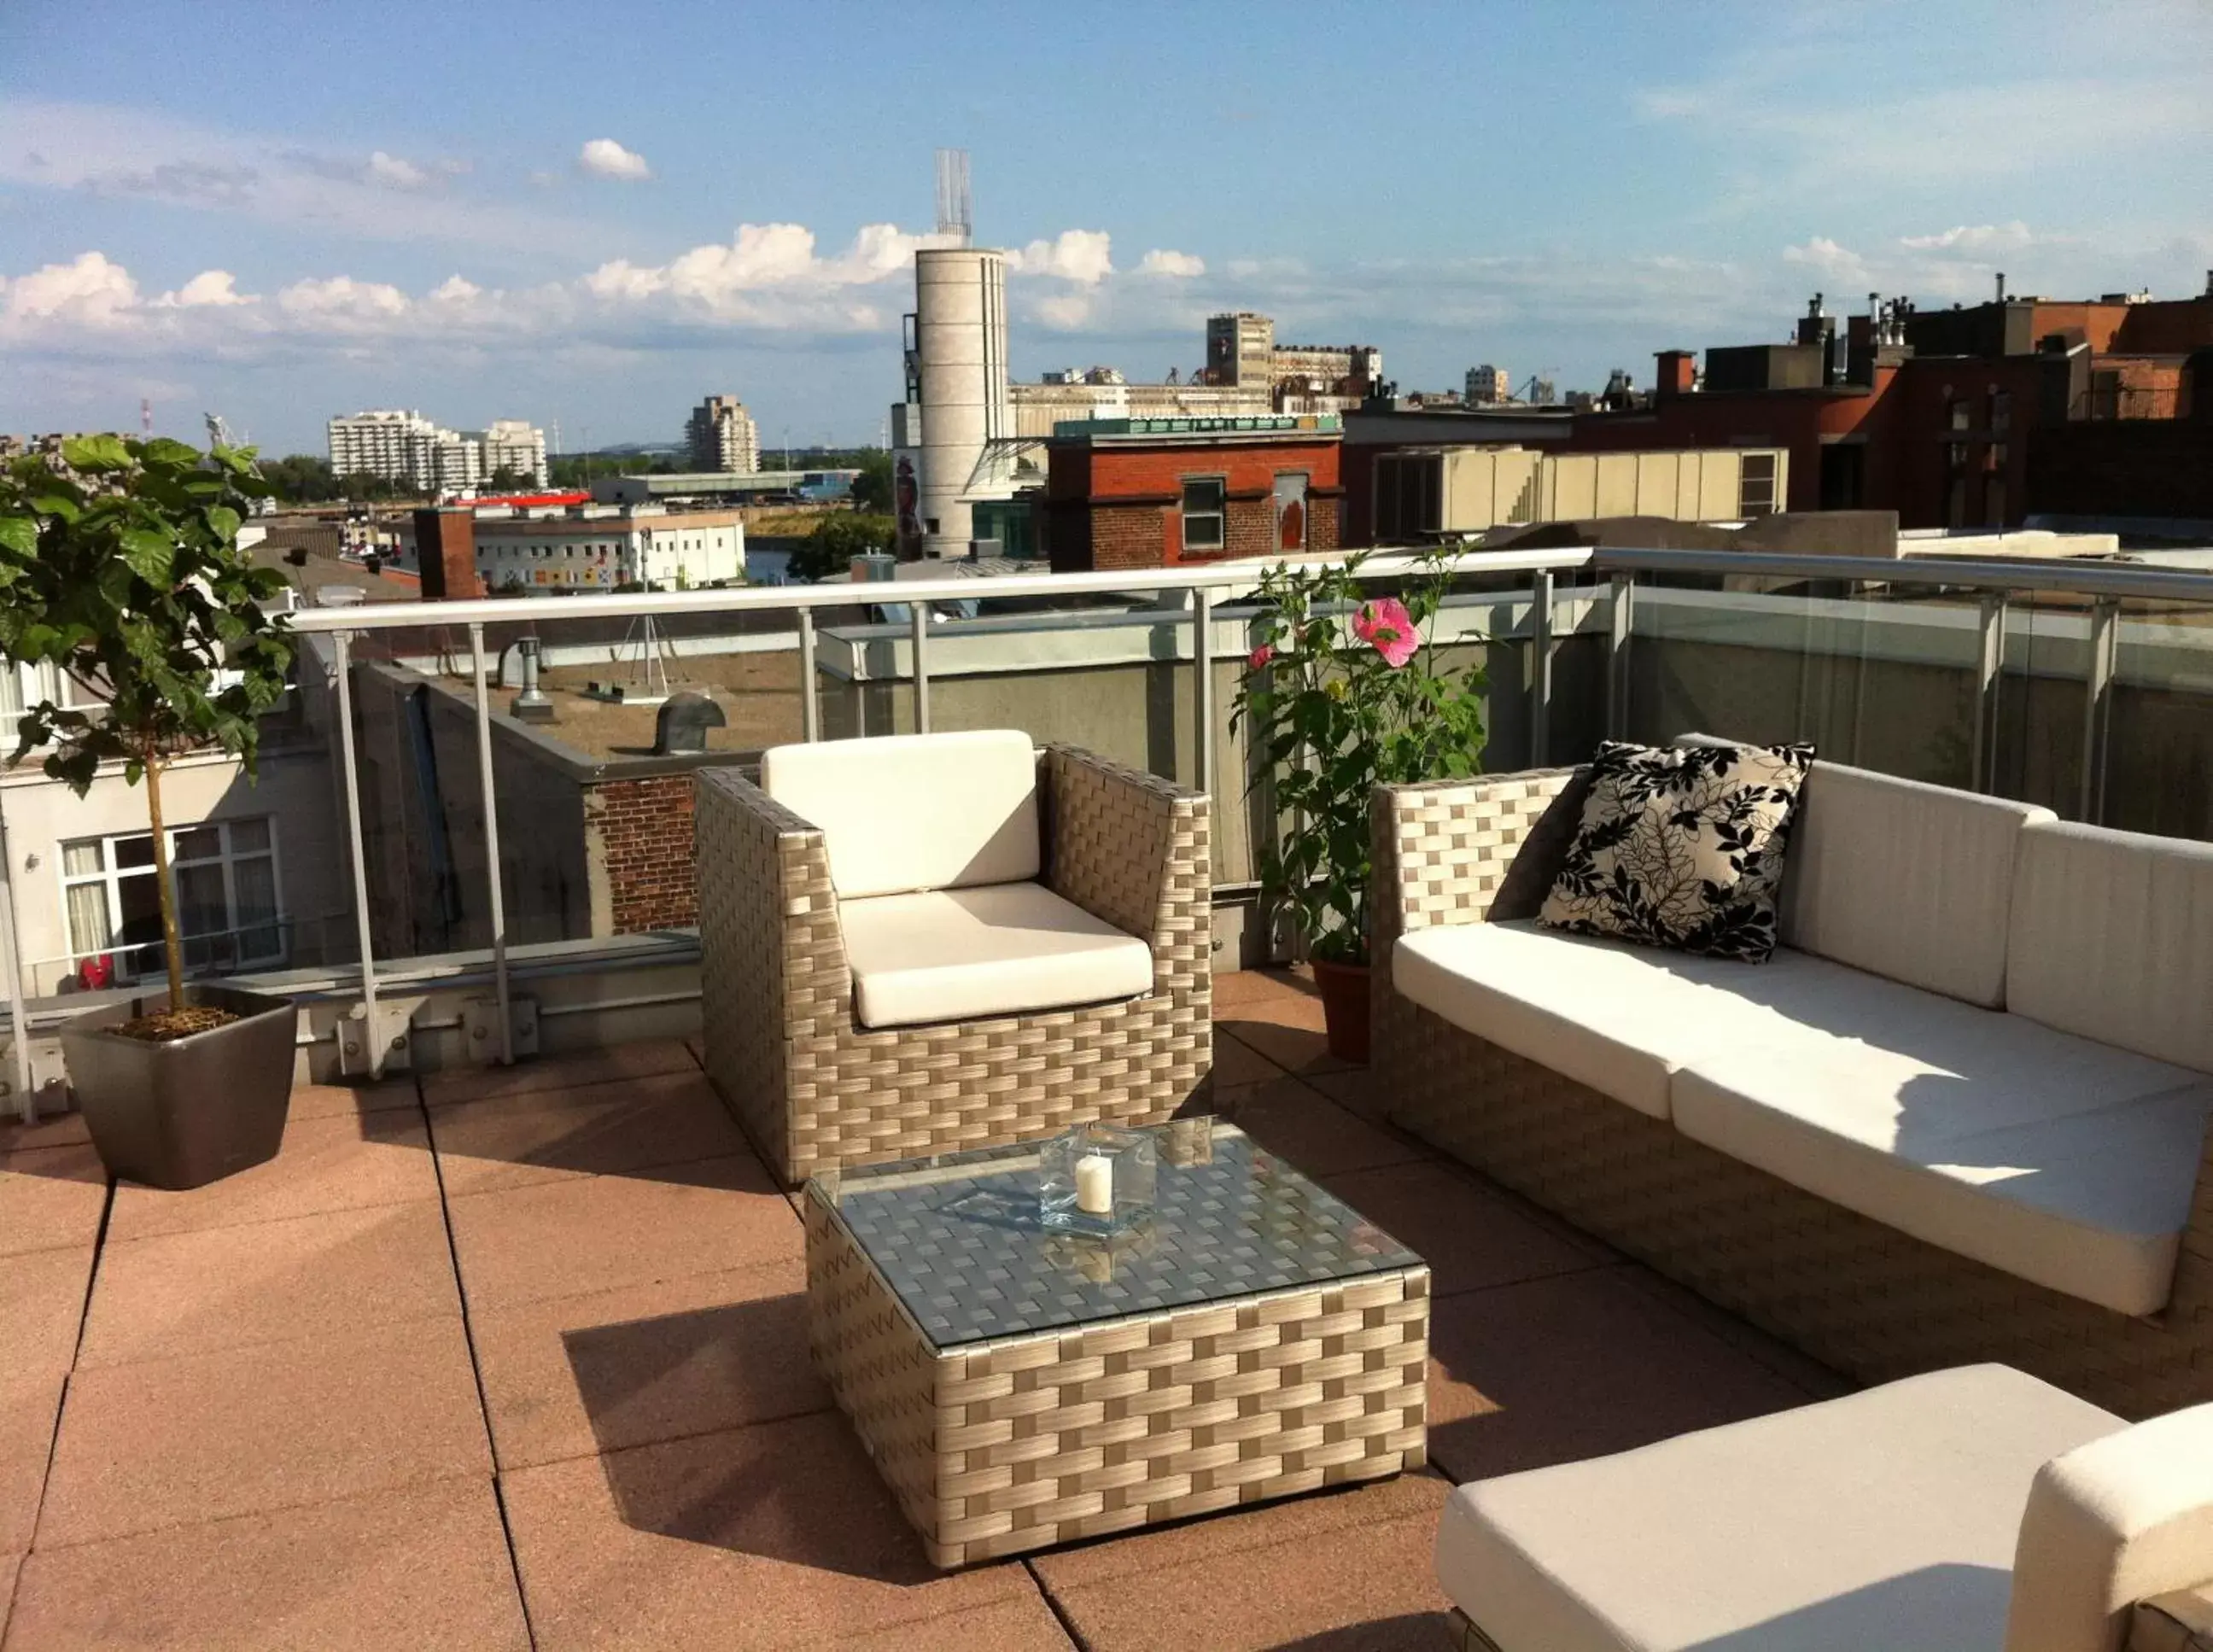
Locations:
column 605, row 158
column 1080, row 255
column 215, row 288
column 1974, row 238
column 89, row 291
column 342, row 301
column 455, row 289
column 394, row 173
column 1838, row 262
column 1165, row 261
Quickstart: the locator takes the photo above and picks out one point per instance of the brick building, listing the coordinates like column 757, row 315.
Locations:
column 1151, row 493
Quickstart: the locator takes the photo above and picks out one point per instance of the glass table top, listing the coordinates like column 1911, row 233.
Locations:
column 959, row 1239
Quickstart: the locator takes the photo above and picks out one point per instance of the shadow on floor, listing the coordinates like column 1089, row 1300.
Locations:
column 1412, row 1631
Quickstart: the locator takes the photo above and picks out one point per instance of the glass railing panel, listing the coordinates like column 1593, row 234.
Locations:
column 2037, row 747
column 2158, row 723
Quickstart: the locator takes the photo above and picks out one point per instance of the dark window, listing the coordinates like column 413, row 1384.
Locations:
column 1756, row 485
column 1204, row 525
column 1408, row 493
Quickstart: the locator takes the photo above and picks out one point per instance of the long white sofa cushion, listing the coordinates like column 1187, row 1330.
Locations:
column 1002, row 949
column 1881, row 1523
column 2113, row 938
column 1618, row 1018
column 909, row 812
column 2064, row 1161
column 1905, row 879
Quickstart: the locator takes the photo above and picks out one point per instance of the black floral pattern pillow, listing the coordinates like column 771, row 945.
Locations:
column 1682, row 847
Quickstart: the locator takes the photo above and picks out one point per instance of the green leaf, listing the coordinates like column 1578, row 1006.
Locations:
column 161, row 451
column 96, row 453
column 19, row 535
column 225, row 521
column 151, row 553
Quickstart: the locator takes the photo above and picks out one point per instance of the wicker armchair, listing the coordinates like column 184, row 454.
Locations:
column 1862, row 1297
column 817, row 1090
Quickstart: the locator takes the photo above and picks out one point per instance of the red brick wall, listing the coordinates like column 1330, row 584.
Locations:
column 644, row 829
column 1117, row 506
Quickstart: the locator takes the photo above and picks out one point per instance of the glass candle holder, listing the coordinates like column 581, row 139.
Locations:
column 1096, row 1179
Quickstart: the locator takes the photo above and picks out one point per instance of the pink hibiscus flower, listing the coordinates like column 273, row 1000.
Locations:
column 1260, row 656
column 1387, row 627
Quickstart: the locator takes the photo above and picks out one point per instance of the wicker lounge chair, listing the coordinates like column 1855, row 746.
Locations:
column 950, row 942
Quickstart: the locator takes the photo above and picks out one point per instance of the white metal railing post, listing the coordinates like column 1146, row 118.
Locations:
column 1540, row 667
column 2098, row 705
column 11, row 960
column 810, row 708
column 919, row 644
column 1202, row 684
column 371, row 1032
column 1620, row 611
column 492, row 867
column 1990, row 659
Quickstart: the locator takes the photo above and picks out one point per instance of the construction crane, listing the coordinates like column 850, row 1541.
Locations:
column 1527, row 391
column 218, row 431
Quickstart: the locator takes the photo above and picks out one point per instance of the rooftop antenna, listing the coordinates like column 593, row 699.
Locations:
column 956, row 217
column 145, row 416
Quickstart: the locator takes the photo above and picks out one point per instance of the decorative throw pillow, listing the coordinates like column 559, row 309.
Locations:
column 1681, row 847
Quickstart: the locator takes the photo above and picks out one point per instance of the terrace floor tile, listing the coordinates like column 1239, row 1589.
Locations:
column 1554, row 1370
column 29, row 1406
column 351, row 1100
column 53, row 1130
column 338, row 1162
column 566, row 1238
column 563, row 1072
column 570, row 1376
column 41, row 1310
column 332, row 1274
column 252, row 1429
column 422, row 1566
column 1305, row 1128
column 776, row 1535
column 1472, row 1239
column 1245, row 985
column 1285, row 1028
column 51, row 1199
column 1348, row 1569
column 1238, row 1065
column 512, row 1141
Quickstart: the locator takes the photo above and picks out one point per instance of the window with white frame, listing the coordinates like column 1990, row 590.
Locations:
column 228, row 906
column 1204, row 524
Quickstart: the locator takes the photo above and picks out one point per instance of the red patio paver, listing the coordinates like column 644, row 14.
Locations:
column 49, row 1197
column 564, row 1072
column 513, row 1141
column 336, row 1162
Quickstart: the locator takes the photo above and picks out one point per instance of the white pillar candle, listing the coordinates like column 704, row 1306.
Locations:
column 1094, row 1185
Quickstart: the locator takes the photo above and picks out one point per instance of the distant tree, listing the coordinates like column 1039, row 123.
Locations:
column 872, row 488
column 836, row 540
column 300, row 480
column 362, row 486
column 508, row 479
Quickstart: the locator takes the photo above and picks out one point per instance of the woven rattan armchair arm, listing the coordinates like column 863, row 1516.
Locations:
column 772, row 945
column 1465, row 851
column 1134, row 850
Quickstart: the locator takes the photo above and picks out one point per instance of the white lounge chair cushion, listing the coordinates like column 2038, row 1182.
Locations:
column 2061, row 1161
column 1905, row 879
column 907, row 812
column 2113, row 938
column 1618, row 1018
column 1886, row 1520
column 2111, row 1523
column 964, row 955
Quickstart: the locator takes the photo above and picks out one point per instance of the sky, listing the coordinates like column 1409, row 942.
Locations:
column 593, row 216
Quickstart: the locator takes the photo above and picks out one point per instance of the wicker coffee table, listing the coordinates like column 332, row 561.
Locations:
column 1020, row 1388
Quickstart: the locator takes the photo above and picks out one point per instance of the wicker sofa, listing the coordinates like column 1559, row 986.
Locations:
column 1969, row 1510
column 923, row 943
column 1960, row 1117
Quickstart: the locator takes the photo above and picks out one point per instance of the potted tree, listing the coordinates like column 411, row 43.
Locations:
column 121, row 567
column 1343, row 693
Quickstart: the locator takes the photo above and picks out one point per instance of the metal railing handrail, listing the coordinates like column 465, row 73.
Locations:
column 739, row 599
column 2112, row 579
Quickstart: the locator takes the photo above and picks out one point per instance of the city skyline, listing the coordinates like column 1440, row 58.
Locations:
column 508, row 226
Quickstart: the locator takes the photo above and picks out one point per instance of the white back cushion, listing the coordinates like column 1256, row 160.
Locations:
column 1901, row 878
column 2113, row 938
column 909, row 812
column 2108, row 1524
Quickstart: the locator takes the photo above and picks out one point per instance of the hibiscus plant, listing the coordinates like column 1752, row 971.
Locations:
column 1343, row 692
column 121, row 567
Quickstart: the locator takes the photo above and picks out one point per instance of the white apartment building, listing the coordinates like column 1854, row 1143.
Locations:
column 408, row 448
column 1488, row 386
column 599, row 547
column 516, row 445
column 723, row 437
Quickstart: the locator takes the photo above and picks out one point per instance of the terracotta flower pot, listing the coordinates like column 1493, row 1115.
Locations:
column 1343, row 989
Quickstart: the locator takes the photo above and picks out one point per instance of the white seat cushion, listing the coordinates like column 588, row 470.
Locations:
column 1618, row 1018
column 2064, row 1161
column 963, row 955
column 1881, row 1523
column 915, row 811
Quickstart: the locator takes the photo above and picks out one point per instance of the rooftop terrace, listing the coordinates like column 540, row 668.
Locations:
column 509, row 1357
